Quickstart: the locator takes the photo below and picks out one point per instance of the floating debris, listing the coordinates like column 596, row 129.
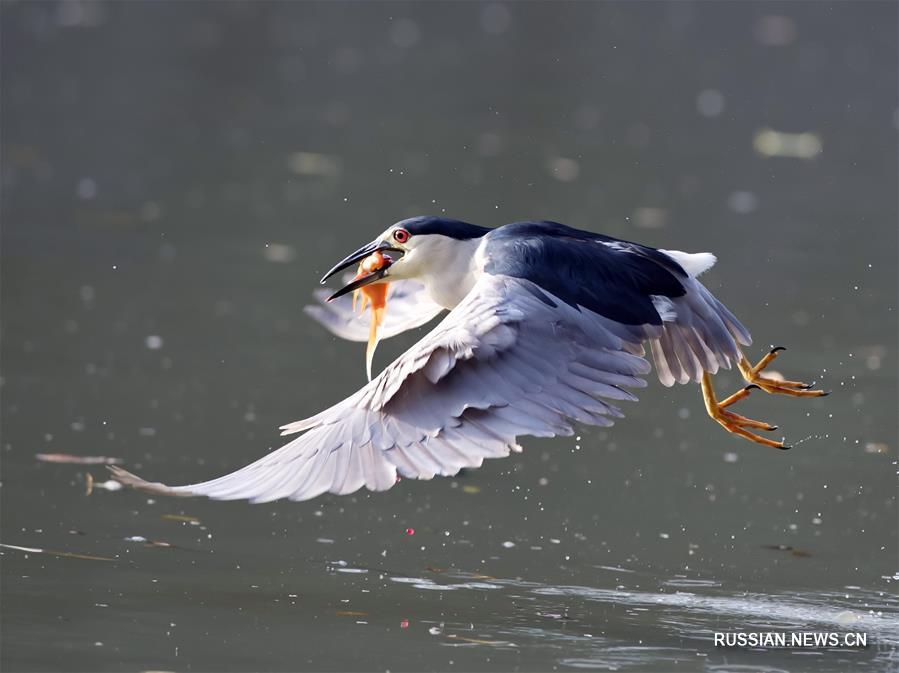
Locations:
column 90, row 484
column 194, row 521
column 314, row 164
column 877, row 447
column 800, row 553
column 351, row 613
column 140, row 539
column 53, row 552
column 410, row 531
column 70, row 459
column 471, row 490
column 771, row 143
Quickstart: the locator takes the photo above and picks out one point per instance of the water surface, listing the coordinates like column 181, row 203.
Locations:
column 177, row 176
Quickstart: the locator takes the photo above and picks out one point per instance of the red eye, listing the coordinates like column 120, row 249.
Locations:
column 401, row 235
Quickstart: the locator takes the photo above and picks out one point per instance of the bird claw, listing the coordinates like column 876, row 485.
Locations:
column 753, row 374
column 732, row 422
column 738, row 427
column 736, row 424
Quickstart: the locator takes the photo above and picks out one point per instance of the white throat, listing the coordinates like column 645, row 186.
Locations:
column 447, row 267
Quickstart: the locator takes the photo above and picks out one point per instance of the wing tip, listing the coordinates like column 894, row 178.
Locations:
column 131, row 480
column 299, row 426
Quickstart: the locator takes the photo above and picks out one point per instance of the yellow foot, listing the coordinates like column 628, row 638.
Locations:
column 735, row 423
column 772, row 385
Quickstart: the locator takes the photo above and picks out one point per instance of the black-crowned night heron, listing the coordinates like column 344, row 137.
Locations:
column 547, row 326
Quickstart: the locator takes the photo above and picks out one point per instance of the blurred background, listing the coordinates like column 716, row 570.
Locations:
column 177, row 176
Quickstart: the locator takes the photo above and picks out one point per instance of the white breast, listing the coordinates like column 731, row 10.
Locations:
column 452, row 271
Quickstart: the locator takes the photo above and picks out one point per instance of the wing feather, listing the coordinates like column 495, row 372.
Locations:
column 409, row 306
column 504, row 363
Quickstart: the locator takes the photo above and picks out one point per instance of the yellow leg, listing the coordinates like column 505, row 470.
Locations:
column 735, row 423
column 795, row 388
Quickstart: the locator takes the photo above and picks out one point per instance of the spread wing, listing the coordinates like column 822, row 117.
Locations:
column 408, row 306
column 510, row 360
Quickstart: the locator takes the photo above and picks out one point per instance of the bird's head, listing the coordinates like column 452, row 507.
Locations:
column 413, row 248
column 425, row 248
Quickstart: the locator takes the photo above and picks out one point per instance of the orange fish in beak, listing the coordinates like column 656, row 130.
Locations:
column 374, row 294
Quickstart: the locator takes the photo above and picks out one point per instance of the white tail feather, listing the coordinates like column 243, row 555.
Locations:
column 694, row 263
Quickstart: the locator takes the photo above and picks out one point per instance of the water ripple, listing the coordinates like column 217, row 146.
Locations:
column 595, row 627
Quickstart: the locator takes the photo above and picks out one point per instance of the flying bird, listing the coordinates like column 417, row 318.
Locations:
column 547, row 326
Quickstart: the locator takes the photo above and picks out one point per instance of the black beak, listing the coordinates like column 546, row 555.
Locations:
column 361, row 282
column 358, row 256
